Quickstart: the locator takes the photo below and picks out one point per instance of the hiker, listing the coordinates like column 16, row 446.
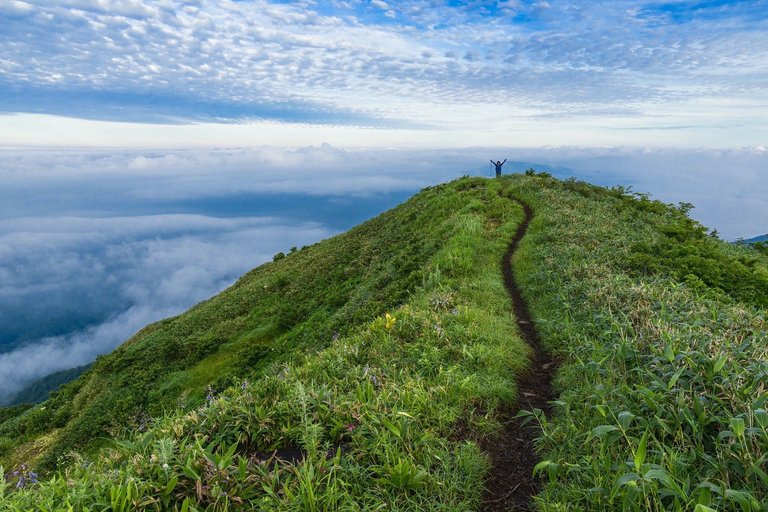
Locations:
column 498, row 166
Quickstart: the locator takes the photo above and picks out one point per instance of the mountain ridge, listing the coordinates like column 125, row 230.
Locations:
column 39, row 390
column 760, row 238
column 383, row 399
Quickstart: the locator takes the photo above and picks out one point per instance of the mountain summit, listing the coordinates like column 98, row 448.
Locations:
column 401, row 366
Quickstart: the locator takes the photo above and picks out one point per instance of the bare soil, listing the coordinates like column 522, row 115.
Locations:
column 511, row 485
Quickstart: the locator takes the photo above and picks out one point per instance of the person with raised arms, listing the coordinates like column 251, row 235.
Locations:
column 498, row 166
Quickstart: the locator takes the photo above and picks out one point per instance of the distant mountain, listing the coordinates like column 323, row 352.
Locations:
column 761, row 238
column 39, row 390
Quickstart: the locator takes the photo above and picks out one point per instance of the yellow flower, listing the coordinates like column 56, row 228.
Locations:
column 389, row 321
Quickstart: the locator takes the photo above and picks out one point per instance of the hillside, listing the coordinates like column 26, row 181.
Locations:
column 372, row 370
column 278, row 313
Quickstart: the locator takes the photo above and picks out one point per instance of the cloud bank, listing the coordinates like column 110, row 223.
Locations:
column 93, row 282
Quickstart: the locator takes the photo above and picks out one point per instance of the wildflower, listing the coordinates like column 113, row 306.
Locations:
column 389, row 321
column 368, row 372
column 24, row 475
column 211, row 394
column 455, row 311
column 335, row 336
column 350, row 427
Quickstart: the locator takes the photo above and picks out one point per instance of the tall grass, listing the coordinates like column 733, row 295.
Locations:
column 662, row 381
column 384, row 418
column 663, row 376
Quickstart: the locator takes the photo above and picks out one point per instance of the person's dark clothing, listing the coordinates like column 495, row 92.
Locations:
column 498, row 166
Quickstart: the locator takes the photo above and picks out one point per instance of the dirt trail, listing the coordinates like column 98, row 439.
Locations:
column 510, row 484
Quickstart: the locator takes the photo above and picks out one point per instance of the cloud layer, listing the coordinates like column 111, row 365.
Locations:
column 96, row 244
column 92, row 282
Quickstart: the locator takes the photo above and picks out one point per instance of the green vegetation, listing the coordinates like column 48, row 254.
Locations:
column 384, row 415
column 366, row 367
column 664, row 360
column 762, row 247
column 281, row 312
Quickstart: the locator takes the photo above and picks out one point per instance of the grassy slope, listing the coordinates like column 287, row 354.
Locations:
column 276, row 312
column 663, row 377
column 663, row 337
column 399, row 396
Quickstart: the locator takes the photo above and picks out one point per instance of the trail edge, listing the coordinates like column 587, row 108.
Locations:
column 510, row 485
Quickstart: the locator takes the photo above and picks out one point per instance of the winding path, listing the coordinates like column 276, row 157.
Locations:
column 510, row 484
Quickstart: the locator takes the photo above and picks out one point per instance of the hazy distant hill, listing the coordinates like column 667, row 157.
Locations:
column 42, row 388
column 762, row 238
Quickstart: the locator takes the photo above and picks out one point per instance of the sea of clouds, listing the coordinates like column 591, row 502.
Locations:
column 95, row 244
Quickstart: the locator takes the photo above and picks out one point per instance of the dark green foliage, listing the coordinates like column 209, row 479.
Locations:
column 761, row 247
column 681, row 248
column 685, row 251
column 7, row 413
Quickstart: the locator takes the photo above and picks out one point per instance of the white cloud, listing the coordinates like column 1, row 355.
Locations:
column 707, row 177
column 323, row 64
column 15, row 7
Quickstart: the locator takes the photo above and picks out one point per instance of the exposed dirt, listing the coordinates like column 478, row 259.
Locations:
column 510, row 484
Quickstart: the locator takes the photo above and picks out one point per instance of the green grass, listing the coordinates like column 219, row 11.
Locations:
column 280, row 312
column 384, row 355
column 661, row 329
column 387, row 413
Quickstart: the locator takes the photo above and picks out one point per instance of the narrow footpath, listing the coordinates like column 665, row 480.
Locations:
column 511, row 485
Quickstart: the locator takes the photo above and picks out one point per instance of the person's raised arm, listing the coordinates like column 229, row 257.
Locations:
column 505, row 161
column 494, row 163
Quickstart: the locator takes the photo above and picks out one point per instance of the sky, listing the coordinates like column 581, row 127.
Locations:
column 519, row 73
column 153, row 152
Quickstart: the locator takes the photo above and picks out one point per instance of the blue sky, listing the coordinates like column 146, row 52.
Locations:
column 424, row 73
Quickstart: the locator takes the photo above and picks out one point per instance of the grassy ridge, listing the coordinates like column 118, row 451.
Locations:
column 660, row 329
column 665, row 358
column 42, row 388
column 278, row 312
column 384, row 416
